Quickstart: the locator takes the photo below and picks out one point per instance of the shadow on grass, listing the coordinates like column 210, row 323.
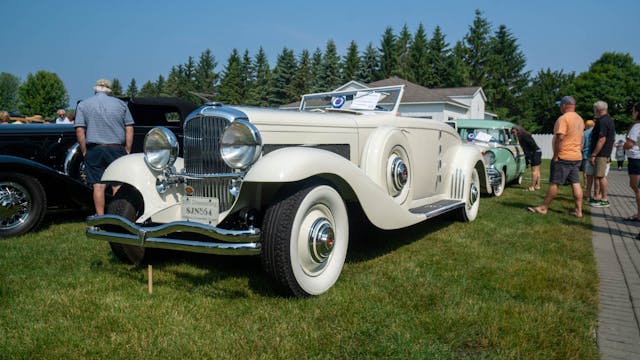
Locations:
column 564, row 212
column 202, row 272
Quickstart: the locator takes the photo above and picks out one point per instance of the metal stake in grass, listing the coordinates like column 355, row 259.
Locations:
column 150, row 272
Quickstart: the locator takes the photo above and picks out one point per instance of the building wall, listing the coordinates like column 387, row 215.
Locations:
column 439, row 111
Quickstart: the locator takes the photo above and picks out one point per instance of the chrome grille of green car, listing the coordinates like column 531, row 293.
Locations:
column 202, row 158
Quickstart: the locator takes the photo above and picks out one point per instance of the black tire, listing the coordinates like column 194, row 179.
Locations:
column 23, row 204
column 305, row 239
column 129, row 206
column 499, row 189
column 469, row 212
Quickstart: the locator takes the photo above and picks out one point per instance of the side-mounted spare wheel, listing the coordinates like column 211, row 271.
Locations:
column 305, row 238
column 128, row 204
column 23, row 203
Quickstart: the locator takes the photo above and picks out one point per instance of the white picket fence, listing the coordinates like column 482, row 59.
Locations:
column 544, row 142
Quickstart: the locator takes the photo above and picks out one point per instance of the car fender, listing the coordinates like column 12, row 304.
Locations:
column 133, row 170
column 300, row 163
column 59, row 187
column 465, row 158
column 375, row 157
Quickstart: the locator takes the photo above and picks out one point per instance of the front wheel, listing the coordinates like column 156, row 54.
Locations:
column 23, row 203
column 129, row 206
column 499, row 189
column 472, row 202
column 305, row 239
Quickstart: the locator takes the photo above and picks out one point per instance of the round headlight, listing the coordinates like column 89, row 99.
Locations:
column 241, row 144
column 160, row 148
column 489, row 157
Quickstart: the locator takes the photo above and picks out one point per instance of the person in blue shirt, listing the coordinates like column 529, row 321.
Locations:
column 104, row 129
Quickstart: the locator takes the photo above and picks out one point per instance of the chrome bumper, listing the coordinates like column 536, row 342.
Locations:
column 226, row 242
column 495, row 177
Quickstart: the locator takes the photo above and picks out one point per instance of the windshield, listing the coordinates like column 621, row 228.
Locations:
column 500, row 136
column 375, row 99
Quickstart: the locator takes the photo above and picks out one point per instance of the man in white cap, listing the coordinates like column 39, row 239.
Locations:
column 104, row 128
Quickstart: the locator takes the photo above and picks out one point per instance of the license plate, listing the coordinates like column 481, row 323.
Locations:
column 201, row 209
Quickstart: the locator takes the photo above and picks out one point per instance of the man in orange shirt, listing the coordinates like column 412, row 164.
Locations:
column 567, row 156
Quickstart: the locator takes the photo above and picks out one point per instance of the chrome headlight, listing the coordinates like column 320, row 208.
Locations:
column 241, row 144
column 160, row 148
column 489, row 157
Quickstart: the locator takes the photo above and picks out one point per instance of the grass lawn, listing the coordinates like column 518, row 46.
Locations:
column 511, row 284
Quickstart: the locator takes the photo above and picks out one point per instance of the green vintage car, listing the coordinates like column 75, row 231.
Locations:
column 503, row 155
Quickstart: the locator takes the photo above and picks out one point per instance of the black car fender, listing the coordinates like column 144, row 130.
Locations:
column 61, row 190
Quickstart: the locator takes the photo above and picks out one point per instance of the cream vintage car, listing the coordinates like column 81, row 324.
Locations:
column 282, row 184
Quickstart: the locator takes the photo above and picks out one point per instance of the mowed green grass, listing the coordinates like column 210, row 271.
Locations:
column 511, row 284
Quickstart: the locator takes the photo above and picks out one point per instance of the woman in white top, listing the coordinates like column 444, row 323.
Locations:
column 632, row 147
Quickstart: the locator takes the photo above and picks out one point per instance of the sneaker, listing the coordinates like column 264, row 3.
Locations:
column 593, row 202
column 599, row 204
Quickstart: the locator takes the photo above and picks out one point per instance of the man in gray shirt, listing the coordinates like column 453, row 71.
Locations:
column 104, row 128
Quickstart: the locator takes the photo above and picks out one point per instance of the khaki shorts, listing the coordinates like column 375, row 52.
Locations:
column 601, row 168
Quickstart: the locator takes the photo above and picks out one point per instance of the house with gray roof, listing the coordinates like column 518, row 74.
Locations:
column 438, row 104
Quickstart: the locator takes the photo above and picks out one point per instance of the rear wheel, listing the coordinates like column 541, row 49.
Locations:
column 305, row 239
column 129, row 206
column 23, row 203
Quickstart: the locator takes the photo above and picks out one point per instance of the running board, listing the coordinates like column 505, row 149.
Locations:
column 437, row 208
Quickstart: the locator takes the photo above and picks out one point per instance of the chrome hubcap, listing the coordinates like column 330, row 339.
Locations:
column 15, row 205
column 321, row 240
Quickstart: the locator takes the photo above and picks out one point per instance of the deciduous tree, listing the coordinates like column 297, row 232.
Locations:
column 42, row 93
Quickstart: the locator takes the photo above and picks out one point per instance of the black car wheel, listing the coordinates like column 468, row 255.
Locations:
column 23, row 203
column 129, row 206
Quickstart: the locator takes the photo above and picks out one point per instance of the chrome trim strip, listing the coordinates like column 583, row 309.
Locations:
column 235, row 242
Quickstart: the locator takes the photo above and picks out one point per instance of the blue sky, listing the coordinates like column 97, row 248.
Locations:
column 82, row 41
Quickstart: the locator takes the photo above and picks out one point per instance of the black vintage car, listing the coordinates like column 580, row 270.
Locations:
column 41, row 164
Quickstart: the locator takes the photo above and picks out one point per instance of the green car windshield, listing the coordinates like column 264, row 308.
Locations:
column 500, row 136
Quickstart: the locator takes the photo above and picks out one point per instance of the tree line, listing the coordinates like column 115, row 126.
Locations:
column 486, row 56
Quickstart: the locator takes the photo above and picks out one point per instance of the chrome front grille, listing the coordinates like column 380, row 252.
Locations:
column 202, row 158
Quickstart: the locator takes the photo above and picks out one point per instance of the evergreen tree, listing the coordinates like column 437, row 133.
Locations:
column 42, row 94
column 148, row 89
column 231, row 85
column 132, row 89
column 282, row 91
column 316, row 71
column 116, row 87
column 505, row 78
column 9, row 85
column 403, row 64
column 458, row 69
column 477, row 43
column 438, row 60
column 160, row 85
column 176, row 84
column 248, row 76
column 419, row 58
column 303, row 80
column 351, row 63
column 205, row 76
column 369, row 65
column 259, row 92
column 388, row 56
column 330, row 73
